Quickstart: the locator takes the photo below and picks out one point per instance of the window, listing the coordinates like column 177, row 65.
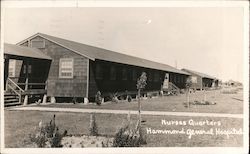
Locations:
column 156, row 76
column 37, row 44
column 12, row 67
column 134, row 75
column 149, row 76
column 178, row 79
column 66, row 68
column 99, row 71
column 24, row 69
column 124, row 74
column 112, row 73
column 29, row 69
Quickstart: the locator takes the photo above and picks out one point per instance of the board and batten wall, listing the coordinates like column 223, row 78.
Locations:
column 65, row 87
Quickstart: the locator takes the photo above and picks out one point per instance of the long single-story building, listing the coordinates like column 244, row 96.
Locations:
column 201, row 81
column 76, row 70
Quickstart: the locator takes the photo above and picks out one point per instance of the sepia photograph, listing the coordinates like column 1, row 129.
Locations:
column 103, row 77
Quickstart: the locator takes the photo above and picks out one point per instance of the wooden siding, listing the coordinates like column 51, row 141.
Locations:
column 201, row 83
column 60, row 87
column 198, row 85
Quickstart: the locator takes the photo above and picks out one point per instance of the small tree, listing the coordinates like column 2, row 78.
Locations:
column 141, row 84
column 93, row 129
column 188, row 85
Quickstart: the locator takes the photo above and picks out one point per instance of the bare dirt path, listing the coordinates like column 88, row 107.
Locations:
column 191, row 114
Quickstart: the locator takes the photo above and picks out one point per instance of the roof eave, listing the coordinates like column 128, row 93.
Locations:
column 39, row 34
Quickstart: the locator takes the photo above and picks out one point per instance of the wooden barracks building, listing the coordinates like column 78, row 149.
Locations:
column 63, row 69
column 201, row 81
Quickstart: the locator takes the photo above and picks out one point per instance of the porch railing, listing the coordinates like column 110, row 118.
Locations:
column 173, row 88
column 11, row 85
column 27, row 89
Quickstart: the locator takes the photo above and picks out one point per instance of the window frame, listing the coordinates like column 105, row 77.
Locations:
column 60, row 68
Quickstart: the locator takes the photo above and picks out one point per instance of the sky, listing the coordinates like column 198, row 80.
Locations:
column 204, row 39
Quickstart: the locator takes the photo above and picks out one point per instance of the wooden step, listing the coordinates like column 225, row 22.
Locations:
column 6, row 97
column 10, row 100
column 8, row 94
column 11, row 104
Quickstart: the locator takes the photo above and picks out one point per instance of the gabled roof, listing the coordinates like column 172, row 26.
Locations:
column 94, row 53
column 198, row 73
column 23, row 51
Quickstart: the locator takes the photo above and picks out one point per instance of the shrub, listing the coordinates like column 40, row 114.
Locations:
column 129, row 98
column 48, row 135
column 98, row 98
column 114, row 97
column 182, row 91
column 129, row 136
column 93, row 129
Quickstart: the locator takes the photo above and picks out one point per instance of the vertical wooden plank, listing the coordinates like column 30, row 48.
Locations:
column 87, row 85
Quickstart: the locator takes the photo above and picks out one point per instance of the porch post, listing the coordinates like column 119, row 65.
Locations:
column 26, row 88
column 6, row 70
column 85, row 99
column 26, row 82
column 45, row 95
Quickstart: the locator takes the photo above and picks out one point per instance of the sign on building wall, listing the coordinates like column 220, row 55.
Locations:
column 166, row 81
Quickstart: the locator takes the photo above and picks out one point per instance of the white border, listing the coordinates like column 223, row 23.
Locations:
column 246, row 78
column 243, row 4
column 2, row 83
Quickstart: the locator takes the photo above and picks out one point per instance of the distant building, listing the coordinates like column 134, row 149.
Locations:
column 69, row 69
column 233, row 83
column 201, row 81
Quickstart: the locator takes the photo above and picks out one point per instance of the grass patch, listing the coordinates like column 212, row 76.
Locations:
column 19, row 124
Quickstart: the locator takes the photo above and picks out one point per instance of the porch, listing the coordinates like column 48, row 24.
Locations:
column 25, row 75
